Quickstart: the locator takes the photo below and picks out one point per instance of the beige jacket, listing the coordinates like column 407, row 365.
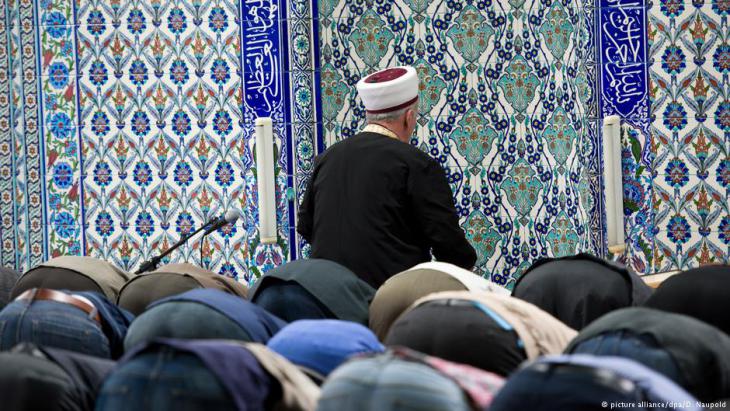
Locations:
column 541, row 333
column 107, row 276
column 402, row 289
column 470, row 280
column 207, row 279
column 299, row 393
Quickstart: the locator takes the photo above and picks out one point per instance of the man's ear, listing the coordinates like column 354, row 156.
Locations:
column 410, row 117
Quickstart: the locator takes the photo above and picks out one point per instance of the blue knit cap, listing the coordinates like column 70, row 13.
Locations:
column 322, row 345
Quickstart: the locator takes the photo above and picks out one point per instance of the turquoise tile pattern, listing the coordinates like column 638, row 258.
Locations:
column 507, row 107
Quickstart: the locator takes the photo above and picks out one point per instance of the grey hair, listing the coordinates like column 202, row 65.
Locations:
column 391, row 115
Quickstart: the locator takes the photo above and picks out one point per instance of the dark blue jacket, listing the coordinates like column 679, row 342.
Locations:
column 236, row 368
column 114, row 320
column 257, row 322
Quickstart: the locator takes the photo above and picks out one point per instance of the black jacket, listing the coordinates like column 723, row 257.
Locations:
column 44, row 378
column 335, row 286
column 579, row 289
column 700, row 351
column 379, row 206
column 701, row 293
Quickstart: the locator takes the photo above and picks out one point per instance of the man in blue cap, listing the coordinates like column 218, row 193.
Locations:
column 320, row 346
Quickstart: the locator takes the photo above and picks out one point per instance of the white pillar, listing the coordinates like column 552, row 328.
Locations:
column 613, row 182
column 266, row 180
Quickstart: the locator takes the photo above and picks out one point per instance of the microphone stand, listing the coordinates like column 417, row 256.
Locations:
column 202, row 243
column 152, row 263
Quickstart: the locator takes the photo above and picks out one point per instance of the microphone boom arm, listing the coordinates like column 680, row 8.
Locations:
column 229, row 218
column 153, row 262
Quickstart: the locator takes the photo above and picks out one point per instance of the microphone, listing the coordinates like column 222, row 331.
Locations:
column 212, row 225
column 230, row 217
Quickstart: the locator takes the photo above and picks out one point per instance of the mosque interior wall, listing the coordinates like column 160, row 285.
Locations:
column 124, row 125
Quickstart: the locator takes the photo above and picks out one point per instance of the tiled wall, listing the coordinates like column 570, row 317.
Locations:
column 508, row 109
column 672, row 60
column 166, row 135
column 623, row 59
column 124, row 125
column 128, row 124
column 662, row 72
column 690, row 125
column 21, row 162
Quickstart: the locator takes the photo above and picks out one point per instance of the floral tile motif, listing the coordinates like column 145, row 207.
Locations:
column 506, row 99
column 674, row 154
column 143, row 128
column 699, row 152
column 692, row 249
column 304, row 106
column 24, row 238
column 636, row 168
column 7, row 242
column 126, row 125
column 62, row 162
column 17, row 251
column 691, row 111
column 161, row 135
column 701, row 202
column 168, row 130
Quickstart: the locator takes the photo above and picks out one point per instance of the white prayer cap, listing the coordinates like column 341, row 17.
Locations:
column 389, row 90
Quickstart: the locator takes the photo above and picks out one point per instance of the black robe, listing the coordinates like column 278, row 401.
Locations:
column 379, row 206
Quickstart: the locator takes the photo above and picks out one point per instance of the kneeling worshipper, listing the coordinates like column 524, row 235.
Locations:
column 81, row 321
column 42, row 378
column 485, row 330
column 404, row 379
column 172, row 375
column 8, row 278
column 74, row 273
column 376, row 204
column 203, row 314
column 313, row 289
column 173, row 279
column 317, row 347
column 694, row 354
column 588, row 383
column 403, row 289
column 578, row 289
column 702, row 293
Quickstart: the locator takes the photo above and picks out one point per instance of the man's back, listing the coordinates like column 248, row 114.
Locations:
column 377, row 206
